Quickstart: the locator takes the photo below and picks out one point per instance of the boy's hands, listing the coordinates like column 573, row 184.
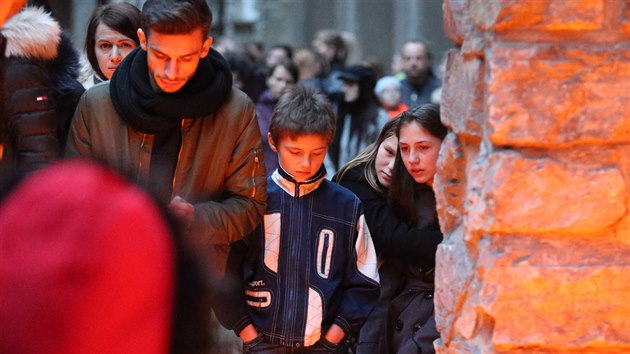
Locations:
column 183, row 211
column 335, row 334
column 248, row 333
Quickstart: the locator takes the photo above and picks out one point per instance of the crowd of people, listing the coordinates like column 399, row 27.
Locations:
column 162, row 179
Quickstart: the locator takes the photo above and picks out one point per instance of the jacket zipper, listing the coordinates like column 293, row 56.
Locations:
column 179, row 155
column 254, row 173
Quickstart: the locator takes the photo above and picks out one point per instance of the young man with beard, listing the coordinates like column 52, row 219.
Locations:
column 170, row 118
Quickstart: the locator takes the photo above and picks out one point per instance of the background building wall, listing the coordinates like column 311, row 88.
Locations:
column 381, row 26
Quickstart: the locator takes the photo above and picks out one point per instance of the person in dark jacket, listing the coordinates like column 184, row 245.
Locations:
column 40, row 89
column 170, row 118
column 369, row 176
column 359, row 116
column 313, row 276
column 282, row 77
column 411, row 318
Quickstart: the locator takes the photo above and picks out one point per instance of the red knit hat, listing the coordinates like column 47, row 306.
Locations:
column 86, row 265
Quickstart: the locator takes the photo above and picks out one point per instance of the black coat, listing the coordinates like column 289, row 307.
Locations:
column 406, row 301
column 392, row 237
column 40, row 89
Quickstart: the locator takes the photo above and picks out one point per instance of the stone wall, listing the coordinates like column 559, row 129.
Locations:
column 534, row 181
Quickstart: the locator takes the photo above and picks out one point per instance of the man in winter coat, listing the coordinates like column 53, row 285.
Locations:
column 170, row 118
column 39, row 90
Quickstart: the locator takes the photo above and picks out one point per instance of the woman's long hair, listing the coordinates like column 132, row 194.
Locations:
column 122, row 17
column 368, row 158
column 402, row 191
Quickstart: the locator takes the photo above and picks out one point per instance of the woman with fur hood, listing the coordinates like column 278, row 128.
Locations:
column 39, row 90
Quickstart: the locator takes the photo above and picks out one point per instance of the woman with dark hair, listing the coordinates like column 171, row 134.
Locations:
column 282, row 76
column 397, row 241
column 111, row 35
column 411, row 322
column 359, row 115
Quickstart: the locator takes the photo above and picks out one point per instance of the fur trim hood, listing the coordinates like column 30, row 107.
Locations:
column 33, row 34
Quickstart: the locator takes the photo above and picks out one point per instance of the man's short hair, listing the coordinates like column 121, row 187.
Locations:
column 421, row 41
column 302, row 111
column 176, row 16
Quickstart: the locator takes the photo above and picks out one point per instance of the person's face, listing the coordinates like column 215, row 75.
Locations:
column 280, row 81
column 236, row 80
column 419, row 151
column 275, row 56
column 323, row 49
column 110, row 47
column 390, row 96
column 350, row 91
column 301, row 156
column 384, row 162
column 415, row 60
column 173, row 58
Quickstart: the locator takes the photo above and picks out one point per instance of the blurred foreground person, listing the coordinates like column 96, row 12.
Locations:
column 39, row 87
column 95, row 268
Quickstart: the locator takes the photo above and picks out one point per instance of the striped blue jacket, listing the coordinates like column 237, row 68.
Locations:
column 316, row 263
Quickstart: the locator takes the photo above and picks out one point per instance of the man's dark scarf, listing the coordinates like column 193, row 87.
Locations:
column 149, row 111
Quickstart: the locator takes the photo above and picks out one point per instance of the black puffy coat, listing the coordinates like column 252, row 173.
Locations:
column 40, row 90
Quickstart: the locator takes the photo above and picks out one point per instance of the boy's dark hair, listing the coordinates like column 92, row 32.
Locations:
column 302, row 111
column 122, row 17
column 176, row 16
column 401, row 195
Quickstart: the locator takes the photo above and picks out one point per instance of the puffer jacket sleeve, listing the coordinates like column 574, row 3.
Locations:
column 31, row 119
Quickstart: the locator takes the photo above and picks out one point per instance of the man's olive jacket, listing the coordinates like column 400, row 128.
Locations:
column 220, row 168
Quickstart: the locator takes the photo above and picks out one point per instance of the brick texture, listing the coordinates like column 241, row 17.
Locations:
column 533, row 181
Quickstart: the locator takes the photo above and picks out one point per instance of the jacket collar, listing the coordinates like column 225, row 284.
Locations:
column 295, row 188
column 33, row 34
column 149, row 110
